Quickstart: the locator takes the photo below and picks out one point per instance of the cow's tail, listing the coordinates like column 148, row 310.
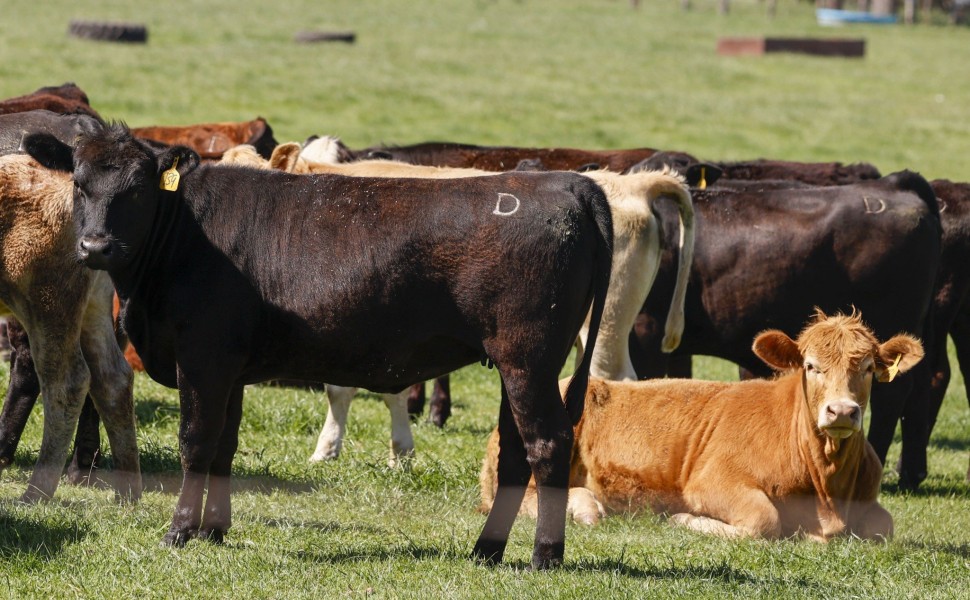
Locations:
column 674, row 187
column 598, row 211
column 916, row 183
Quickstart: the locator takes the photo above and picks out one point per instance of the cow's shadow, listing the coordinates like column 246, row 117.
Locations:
column 956, row 550
column 36, row 538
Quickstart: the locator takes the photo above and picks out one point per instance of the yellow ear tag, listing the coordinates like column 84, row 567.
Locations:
column 893, row 369
column 702, row 184
column 170, row 178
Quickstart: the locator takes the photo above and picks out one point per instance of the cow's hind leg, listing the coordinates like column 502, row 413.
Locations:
column 331, row 436
column 512, row 475
column 23, row 389
column 402, row 440
column 547, row 437
column 87, row 446
column 440, row 401
column 218, row 506
column 111, row 391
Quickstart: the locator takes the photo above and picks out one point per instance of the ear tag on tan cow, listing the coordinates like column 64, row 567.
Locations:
column 170, row 178
column 702, row 184
column 893, row 369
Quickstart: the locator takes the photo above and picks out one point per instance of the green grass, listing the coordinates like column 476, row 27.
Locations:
column 592, row 74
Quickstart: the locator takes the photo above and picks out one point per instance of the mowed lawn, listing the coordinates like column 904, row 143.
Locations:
column 590, row 73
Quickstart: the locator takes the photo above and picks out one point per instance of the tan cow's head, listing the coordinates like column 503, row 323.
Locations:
column 838, row 356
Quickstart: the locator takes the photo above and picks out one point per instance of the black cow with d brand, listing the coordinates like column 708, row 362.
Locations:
column 234, row 276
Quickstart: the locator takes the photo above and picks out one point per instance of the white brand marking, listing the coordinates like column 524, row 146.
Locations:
column 506, row 199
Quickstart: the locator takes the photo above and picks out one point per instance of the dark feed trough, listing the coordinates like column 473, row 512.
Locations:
column 757, row 46
column 108, row 31
column 312, row 37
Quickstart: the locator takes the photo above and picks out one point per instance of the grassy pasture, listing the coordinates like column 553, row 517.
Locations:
column 593, row 74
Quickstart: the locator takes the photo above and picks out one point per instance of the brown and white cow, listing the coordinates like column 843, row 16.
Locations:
column 760, row 458
column 636, row 251
column 66, row 309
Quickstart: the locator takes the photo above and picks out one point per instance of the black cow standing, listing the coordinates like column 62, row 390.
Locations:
column 765, row 258
column 240, row 276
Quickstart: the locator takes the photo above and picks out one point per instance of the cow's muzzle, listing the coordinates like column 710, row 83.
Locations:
column 840, row 419
column 95, row 251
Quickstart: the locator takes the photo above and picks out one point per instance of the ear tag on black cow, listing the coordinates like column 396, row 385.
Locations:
column 170, row 178
column 893, row 369
column 702, row 184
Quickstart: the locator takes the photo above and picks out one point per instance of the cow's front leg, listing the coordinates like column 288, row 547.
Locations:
column 218, row 507
column 204, row 408
column 65, row 379
column 732, row 511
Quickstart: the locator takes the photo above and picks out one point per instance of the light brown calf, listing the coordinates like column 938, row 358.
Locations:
column 66, row 310
column 759, row 458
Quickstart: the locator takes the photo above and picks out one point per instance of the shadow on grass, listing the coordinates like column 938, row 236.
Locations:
column 938, row 487
column 957, row 550
column 378, row 553
column 949, row 443
column 720, row 572
column 170, row 482
column 321, row 526
column 37, row 539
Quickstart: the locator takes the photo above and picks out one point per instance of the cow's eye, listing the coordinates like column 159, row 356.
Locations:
column 810, row 367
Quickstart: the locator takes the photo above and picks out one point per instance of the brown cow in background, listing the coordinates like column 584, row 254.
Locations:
column 64, row 99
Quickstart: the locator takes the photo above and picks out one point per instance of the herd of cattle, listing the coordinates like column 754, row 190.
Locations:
column 231, row 259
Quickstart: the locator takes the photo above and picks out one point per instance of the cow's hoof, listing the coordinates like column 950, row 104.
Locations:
column 488, row 554
column 547, row 555
column 545, row 564
column 34, row 495
column 439, row 417
column 319, row 457
column 909, row 482
column 177, row 538
column 214, row 535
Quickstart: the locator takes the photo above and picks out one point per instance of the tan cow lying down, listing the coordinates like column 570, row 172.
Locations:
column 760, row 458
column 636, row 255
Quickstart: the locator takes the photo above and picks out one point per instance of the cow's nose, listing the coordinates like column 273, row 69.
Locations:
column 94, row 251
column 841, row 419
column 845, row 411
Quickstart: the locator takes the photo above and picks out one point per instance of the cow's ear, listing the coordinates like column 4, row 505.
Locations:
column 285, row 157
column 897, row 355
column 702, row 175
column 779, row 351
column 187, row 160
column 49, row 151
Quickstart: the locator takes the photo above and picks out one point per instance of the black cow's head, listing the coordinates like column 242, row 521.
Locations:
column 695, row 172
column 116, row 187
